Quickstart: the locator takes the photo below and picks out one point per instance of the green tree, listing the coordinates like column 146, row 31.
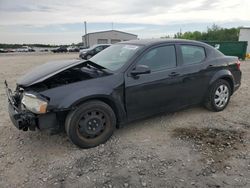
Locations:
column 213, row 33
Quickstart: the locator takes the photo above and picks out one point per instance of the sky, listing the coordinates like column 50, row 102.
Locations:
column 62, row 21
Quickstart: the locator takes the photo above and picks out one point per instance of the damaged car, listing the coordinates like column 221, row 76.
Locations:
column 130, row 80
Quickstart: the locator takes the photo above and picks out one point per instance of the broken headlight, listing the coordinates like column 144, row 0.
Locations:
column 34, row 104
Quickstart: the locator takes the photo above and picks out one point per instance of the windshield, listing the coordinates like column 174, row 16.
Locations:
column 92, row 47
column 115, row 56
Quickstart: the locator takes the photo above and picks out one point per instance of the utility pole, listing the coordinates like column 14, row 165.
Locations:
column 112, row 25
column 85, row 27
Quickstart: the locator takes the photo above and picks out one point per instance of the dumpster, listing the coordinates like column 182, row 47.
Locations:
column 238, row 49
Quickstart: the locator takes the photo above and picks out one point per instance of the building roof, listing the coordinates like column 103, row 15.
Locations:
column 111, row 31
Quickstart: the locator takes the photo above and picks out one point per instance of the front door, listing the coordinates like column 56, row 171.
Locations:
column 157, row 91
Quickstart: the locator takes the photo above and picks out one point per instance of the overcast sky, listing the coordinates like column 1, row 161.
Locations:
column 61, row 21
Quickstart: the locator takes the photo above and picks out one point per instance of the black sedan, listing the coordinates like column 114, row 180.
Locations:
column 127, row 81
column 60, row 49
column 90, row 52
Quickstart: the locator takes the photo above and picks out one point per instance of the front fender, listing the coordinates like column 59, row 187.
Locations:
column 112, row 98
column 82, row 95
column 108, row 89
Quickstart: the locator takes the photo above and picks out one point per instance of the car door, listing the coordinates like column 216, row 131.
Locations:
column 157, row 91
column 193, row 69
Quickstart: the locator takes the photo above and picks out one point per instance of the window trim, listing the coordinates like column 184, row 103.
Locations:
column 181, row 55
column 152, row 48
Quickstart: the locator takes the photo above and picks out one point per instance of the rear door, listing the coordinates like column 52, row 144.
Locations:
column 194, row 75
column 157, row 91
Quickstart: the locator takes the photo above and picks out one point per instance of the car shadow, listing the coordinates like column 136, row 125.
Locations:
column 43, row 140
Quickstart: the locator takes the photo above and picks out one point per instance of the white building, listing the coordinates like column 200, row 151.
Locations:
column 106, row 37
column 245, row 36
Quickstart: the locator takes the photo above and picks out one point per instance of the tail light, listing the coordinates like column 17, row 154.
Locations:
column 238, row 64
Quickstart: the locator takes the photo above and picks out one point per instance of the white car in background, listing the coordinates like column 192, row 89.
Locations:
column 25, row 49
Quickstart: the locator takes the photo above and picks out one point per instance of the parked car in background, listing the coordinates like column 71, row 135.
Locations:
column 127, row 81
column 73, row 49
column 3, row 50
column 82, row 47
column 90, row 52
column 25, row 49
column 10, row 50
column 60, row 49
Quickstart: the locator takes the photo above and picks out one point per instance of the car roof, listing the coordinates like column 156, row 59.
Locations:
column 149, row 42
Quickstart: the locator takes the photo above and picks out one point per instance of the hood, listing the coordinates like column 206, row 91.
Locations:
column 45, row 71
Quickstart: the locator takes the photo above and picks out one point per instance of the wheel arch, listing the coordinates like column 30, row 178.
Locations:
column 119, row 113
column 224, row 75
column 230, row 81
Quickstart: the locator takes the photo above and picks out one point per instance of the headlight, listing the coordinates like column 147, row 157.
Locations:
column 34, row 104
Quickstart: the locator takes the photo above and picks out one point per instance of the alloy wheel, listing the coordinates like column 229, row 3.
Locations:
column 221, row 96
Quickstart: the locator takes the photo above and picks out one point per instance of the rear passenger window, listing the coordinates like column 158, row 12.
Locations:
column 159, row 58
column 192, row 54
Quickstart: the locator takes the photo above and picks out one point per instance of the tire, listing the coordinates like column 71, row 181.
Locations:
column 91, row 124
column 88, row 57
column 215, row 101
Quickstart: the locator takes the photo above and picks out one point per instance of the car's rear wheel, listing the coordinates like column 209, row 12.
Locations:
column 218, row 96
column 91, row 124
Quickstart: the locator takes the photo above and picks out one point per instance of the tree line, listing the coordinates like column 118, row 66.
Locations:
column 214, row 33
column 14, row 46
column 30, row 45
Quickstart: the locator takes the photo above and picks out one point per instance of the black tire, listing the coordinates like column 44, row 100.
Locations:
column 210, row 101
column 88, row 57
column 80, row 130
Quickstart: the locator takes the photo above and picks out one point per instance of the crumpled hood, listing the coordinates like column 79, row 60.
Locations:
column 45, row 71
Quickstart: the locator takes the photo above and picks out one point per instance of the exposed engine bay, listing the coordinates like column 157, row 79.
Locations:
column 74, row 74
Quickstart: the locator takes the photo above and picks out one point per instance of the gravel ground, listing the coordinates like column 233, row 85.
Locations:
column 189, row 148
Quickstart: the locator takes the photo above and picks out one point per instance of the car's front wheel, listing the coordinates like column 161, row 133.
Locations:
column 91, row 124
column 218, row 96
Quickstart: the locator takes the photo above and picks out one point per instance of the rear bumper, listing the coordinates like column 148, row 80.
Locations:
column 237, row 80
column 236, row 87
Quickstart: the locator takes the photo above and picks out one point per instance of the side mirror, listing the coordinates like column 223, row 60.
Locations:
column 140, row 69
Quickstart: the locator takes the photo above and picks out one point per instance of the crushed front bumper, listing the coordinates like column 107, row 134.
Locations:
column 26, row 120
column 23, row 120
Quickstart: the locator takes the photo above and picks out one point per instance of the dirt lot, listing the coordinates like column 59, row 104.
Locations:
column 190, row 148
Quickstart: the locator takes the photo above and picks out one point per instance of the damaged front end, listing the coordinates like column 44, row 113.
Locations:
column 22, row 119
column 30, row 109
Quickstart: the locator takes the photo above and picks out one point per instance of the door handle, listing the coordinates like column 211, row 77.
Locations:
column 173, row 74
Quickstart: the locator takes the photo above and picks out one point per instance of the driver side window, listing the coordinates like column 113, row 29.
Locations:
column 159, row 58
